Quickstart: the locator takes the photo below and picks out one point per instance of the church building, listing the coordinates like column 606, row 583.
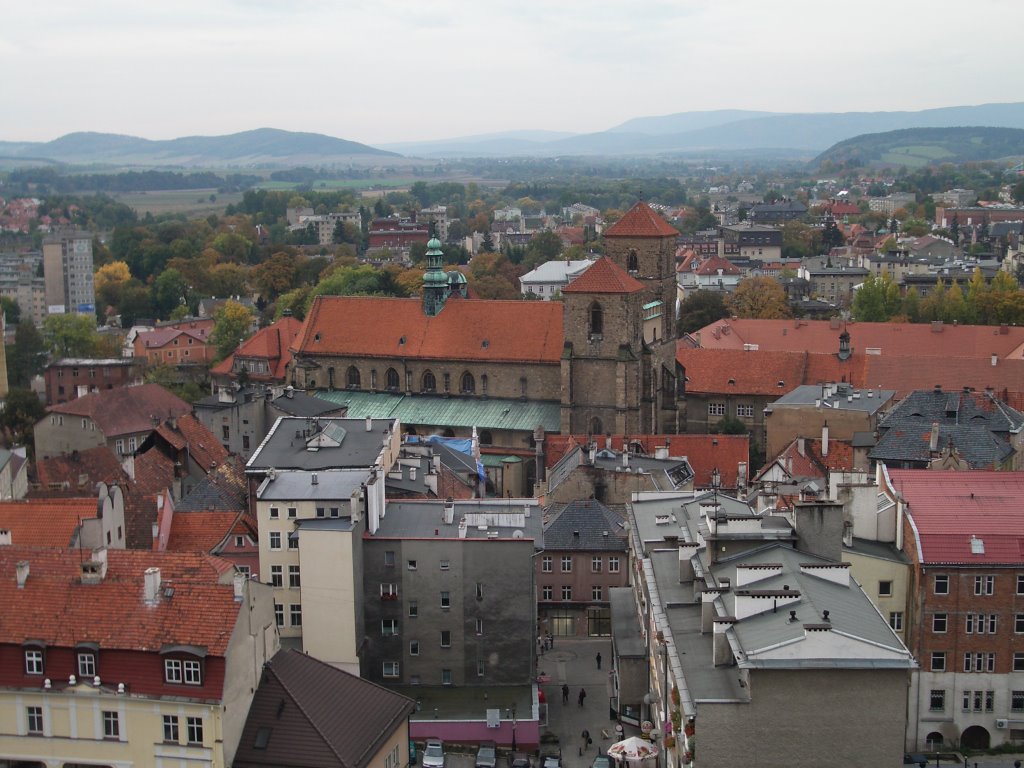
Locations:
column 604, row 356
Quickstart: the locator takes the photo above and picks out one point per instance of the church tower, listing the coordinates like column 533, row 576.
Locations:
column 435, row 281
column 643, row 244
column 604, row 357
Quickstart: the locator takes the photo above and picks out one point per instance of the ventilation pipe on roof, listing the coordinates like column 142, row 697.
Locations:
column 933, row 439
column 369, row 424
column 995, row 360
column 824, row 440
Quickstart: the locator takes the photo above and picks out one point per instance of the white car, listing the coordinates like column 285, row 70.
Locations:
column 433, row 754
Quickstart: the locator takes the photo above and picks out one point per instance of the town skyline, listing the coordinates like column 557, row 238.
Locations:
column 393, row 72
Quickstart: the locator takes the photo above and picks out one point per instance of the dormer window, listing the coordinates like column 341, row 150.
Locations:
column 181, row 671
column 86, row 661
column 34, row 661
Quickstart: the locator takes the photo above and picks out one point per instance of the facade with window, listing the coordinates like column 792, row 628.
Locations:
column 965, row 619
column 586, row 546
column 448, row 590
column 153, row 683
column 315, row 496
column 69, row 378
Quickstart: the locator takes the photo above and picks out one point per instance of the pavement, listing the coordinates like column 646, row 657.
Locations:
column 573, row 662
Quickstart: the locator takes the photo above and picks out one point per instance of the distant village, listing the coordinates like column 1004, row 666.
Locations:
column 314, row 484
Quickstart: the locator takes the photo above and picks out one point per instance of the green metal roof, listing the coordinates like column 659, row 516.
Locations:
column 435, row 410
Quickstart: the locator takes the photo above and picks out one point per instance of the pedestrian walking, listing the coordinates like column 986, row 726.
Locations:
column 540, row 646
column 585, row 741
column 599, row 660
column 565, row 693
column 551, row 641
column 582, row 696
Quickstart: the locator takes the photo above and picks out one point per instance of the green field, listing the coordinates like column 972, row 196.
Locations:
column 193, row 203
column 327, row 184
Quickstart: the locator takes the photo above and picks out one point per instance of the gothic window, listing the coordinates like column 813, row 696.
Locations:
column 483, row 383
column 596, row 319
column 596, row 427
column 467, row 385
column 632, row 263
column 352, row 377
column 485, row 437
column 429, row 382
column 391, row 379
column 330, row 378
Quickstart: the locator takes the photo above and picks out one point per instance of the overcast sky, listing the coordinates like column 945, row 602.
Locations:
column 377, row 71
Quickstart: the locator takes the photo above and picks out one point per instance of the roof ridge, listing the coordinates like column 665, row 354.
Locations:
column 305, row 713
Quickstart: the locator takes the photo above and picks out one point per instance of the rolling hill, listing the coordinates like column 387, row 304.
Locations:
column 263, row 146
column 916, row 147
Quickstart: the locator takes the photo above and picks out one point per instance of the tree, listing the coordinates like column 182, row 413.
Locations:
column 759, row 297
column 71, row 335
column 27, row 358
column 22, row 409
column 11, row 310
column 832, row 236
column 169, row 292
column 231, row 326
column 487, row 244
column 275, row 276
column 728, row 425
column 954, row 230
column 114, row 272
column 701, row 308
column 877, row 300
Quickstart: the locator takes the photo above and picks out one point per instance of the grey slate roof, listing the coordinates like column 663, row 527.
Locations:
column 285, row 446
column 301, row 404
column 223, row 490
column 909, row 441
column 425, row 520
column 586, row 526
column 954, row 408
column 304, row 707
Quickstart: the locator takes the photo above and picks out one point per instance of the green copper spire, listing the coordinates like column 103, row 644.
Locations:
column 435, row 281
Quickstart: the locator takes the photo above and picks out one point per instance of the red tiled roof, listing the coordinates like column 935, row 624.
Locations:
column 811, row 463
column 894, row 340
column 202, row 445
column 604, row 276
column 497, row 331
column 55, row 607
column 704, row 452
column 161, row 337
column 745, row 373
column 80, row 470
column 949, row 508
column 200, row 531
column 641, row 221
column 45, row 522
column 154, row 472
column 711, row 266
column 126, row 410
column 271, row 343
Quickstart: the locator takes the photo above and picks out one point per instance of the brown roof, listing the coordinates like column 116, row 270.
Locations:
column 641, row 221
column 45, row 522
column 704, row 452
column 744, row 373
column 271, row 343
column 893, row 340
column 329, row 717
column 604, row 276
column 79, row 471
column 711, row 265
column 125, row 410
column 496, row 331
column 55, row 607
column 203, row 446
column 203, row 531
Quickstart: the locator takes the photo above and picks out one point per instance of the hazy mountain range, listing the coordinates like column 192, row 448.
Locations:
column 727, row 132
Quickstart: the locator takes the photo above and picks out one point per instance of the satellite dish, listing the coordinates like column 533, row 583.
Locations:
column 517, row 534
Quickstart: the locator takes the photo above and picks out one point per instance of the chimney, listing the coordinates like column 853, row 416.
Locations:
column 625, row 459
column 95, row 570
column 800, row 446
column 369, row 424
column 608, row 442
column 21, row 572
column 412, row 473
column 152, row 582
column 5, row 537
column 995, row 360
column 824, row 439
column 314, row 479
column 449, row 511
column 238, row 582
column 933, row 439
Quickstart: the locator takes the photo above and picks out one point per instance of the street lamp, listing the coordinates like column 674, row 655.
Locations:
column 513, row 727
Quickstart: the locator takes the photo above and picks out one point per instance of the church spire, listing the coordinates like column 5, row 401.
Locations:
column 435, row 281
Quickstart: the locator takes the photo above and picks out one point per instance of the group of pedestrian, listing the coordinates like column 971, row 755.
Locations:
column 545, row 643
column 565, row 694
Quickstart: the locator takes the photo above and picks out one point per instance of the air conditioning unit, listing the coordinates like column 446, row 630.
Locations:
column 1002, row 723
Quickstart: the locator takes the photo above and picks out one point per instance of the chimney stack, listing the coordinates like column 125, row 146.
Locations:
column 152, row 582
column 369, row 424
column 239, row 585
column 933, row 440
column 824, row 439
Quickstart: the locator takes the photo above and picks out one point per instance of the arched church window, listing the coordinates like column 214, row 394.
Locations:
column 391, row 379
column 632, row 262
column 467, row 385
column 352, row 378
column 429, row 382
column 596, row 427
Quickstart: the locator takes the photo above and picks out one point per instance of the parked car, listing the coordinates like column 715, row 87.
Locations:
column 433, row 754
column 519, row 760
column 486, row 755
column 601, row 761
column 909, row 759
column 551, row 759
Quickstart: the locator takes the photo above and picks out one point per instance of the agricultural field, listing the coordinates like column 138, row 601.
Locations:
column 193, row 203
